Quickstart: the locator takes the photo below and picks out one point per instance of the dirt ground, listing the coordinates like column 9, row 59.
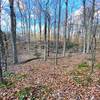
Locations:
column 51, row 82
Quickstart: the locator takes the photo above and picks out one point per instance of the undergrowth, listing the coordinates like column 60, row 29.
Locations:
column 81, row 74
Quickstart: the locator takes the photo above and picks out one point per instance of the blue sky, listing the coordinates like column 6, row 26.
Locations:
column 73, row 6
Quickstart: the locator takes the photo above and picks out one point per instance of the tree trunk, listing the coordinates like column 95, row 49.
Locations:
column 13, row 31
column 93, row 39
column 45, row 38
column 1, row 43
column 48, row 34
column 40, row 25
column 85, row 26
column 57, row 36
column 54, row 38
column 64, row 47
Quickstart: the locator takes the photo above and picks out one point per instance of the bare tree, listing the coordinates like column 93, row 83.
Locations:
column 49, row 23
column 55, row 20
column 21, row 8
column 85, row 26
column 66, row 16
column 45, row 31
column 57, row 36
column 93, row 39
column 1, row 43
column 29, row 22
column 13, row 31
column 40, row 14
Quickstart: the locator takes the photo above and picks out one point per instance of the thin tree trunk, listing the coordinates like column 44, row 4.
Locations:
column 29, row 24
column 48, row 34
column 1, row 42
column 54, row 39
column 64, row 47
column 40, row 25
column 93, row 42
column 85, row 26
column 57, row 36
column 1, row 76
column 45, row 38
column 88, row 43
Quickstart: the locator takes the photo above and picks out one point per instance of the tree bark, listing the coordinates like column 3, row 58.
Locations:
column 40, row 25
column 13, row 31
column 57, row 36
column 64, row 47
column 93, row 39
column 1, row 42
column 45, row 38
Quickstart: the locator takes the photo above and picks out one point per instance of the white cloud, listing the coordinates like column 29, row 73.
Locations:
column 78, row 12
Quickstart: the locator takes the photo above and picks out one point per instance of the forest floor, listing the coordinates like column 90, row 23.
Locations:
column 70, row 79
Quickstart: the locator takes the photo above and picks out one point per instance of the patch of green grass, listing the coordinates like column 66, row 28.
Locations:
column 83, row 65
column 84, row 81
column 2, row 85
column 42, row 92
column 20, row 77
column 77, row 79
column 24, row 93
column 7, row 74
column 11, row 78
column 98, row 66
column 81, row 74
column 7, row 84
